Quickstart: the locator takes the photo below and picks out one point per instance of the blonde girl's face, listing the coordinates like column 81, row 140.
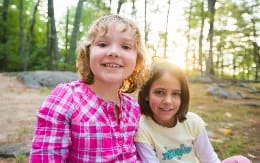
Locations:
column 165, row 99
column 113, row 55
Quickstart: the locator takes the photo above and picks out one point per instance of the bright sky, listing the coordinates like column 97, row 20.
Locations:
column 176, row 40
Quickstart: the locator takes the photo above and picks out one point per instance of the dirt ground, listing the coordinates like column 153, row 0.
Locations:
column 18, row 107
column 19, row 104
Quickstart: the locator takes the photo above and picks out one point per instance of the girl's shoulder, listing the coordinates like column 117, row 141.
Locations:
column 75, row 89
column 130, row 106
column 75, row 84
column 128, row 100
column 146, row 123
column 193, row 116
column 194, row 119
column 195, row 123
column 78, row 86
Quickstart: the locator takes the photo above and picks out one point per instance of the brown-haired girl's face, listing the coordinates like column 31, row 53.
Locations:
column 113, row 55
column 165, row 99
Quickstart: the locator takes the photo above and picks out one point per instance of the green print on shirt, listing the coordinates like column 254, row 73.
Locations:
column 177, row 152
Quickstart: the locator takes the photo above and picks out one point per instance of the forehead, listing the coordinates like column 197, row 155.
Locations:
column 167, row 80
column 115, row 28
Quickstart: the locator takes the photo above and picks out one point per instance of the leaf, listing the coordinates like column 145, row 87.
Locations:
column 226, row 131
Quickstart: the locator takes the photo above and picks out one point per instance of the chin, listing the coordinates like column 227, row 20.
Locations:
column 113, row 81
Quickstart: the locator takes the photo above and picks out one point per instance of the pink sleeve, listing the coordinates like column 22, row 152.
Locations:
column 236, row 159
column 52, row 138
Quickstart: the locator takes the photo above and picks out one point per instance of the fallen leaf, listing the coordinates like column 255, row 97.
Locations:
column 226, row 131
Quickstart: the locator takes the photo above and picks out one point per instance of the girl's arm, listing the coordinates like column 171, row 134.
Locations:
column 204, row 149
column 146, row 153
column 52, row 138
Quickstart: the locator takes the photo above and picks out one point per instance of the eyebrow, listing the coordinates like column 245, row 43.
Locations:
column 126, row 39
column 176, row 90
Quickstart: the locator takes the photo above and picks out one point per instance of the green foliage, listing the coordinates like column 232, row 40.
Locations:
column 38, row 59
column 20, row 158
column 233, row 50
column 91, row 11
column 45, row 90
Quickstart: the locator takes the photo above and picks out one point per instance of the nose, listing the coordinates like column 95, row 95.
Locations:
column 113, row 51
column 167, row 99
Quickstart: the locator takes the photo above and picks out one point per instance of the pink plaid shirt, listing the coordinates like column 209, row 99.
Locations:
column 74, row 125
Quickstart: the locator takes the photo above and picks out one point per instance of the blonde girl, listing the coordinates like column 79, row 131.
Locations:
column 92, row 120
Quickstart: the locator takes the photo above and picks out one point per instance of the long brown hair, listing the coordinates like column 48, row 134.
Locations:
column 157, row 71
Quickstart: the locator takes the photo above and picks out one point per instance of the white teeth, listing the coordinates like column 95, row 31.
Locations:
column 112, row 65
column 166, row 109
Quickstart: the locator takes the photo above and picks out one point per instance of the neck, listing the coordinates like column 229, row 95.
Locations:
column 170, row 123
column 106, row 92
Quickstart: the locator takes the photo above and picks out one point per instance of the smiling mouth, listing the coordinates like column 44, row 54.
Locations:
column 110, row 65
column 166, row 109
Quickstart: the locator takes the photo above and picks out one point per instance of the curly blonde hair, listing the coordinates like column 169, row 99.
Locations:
column 101, row 26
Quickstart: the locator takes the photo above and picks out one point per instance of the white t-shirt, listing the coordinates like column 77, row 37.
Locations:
column 172, row 145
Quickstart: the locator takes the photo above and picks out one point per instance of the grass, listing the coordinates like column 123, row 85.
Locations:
column 21, row 159
column 229, row 121
column 232, row 146
column 45, row 90
column 233, row 127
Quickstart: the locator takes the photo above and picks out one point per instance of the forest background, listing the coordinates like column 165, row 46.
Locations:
column 218, row 39
column 211, row 37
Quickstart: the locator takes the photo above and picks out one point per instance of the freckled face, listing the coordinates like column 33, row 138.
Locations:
column 165, row 99
column 113, row 56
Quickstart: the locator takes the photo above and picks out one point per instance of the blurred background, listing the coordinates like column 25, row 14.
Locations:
column 215, row 42
column 211, row 37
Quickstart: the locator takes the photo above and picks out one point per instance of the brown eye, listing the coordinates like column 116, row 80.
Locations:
column 126, row 47
column 159, row 92
column 102, row 44
column 176, row 94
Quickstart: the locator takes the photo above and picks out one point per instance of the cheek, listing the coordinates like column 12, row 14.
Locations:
column 154, row 103
column 132, row 58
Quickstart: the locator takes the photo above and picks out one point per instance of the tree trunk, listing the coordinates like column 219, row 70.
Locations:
column 219, row 59
column 145, row 22
column 73, row 40
column 222, row 66
column 31, row 29
column 4, row 38
column 188, row 39
column 21, row 36
column 110, row 2
column 256, row 52
column 49, row 50
column 66, row 36
column 244, row 65
column 120, row 3
column 52, row 36
column 166, row 30
column 209, row 62
column 234, row 68
column 201, row 37
column 133, row 9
